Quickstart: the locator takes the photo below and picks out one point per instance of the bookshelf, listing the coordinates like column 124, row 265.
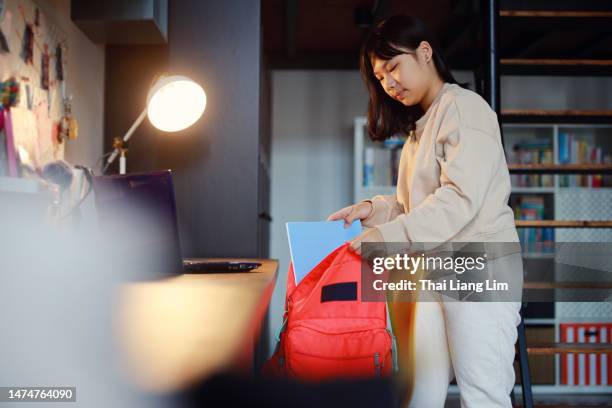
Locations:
column 556, row 197
column 536, row 196
column 574, row 209
column 367, row 186
column 529, row 137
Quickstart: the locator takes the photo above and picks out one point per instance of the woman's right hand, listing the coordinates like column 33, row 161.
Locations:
column 360, row 211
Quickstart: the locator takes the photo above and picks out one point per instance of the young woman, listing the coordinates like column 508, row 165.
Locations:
column 453, row 185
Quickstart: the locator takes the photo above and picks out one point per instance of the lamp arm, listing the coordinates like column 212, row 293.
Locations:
column 135, row 125
column 127, row 136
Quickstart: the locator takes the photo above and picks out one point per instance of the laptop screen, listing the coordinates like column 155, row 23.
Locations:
column 137, row 215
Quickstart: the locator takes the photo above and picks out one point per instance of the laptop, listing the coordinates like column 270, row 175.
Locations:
column 137, row 215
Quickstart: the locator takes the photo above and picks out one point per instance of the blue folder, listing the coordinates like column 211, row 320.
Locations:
column 311, row 242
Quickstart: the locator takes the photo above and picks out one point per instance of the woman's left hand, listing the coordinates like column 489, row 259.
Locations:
column 369, row 235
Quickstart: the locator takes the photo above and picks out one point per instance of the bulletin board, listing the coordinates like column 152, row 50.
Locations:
column 35, row 119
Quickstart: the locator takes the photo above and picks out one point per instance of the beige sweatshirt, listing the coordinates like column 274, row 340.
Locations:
column 453, row 181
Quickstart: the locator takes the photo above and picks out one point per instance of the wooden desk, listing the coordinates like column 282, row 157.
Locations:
column 176, row 331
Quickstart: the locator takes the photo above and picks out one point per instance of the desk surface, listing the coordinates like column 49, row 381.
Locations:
column 176, row 331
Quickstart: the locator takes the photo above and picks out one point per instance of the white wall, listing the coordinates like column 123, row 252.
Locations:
column 312, row 142
column 311, row 155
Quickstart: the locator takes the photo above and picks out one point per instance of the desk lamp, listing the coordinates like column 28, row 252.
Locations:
column 173, row 103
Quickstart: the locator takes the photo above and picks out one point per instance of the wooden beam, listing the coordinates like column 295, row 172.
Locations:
column 558, row 112
column 548, row 20
column 554, row 13
column 550, row 61
column 556, row 116
column 560, row 67
column 562, row 224
column 562, row 348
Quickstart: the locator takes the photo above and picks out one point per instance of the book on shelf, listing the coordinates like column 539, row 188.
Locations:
column 535, row 151
column 381, row 165
column 395, row 142
column 575, row 150
column 534, row 239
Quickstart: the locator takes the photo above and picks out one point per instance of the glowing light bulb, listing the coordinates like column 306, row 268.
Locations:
column 175, row 103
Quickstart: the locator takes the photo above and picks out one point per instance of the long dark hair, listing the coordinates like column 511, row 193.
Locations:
column 386, row 116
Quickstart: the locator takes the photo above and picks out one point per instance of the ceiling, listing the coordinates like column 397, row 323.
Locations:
column 326, row 34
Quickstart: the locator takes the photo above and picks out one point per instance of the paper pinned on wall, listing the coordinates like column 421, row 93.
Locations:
column 25, row 136
column 311, row 242
column 45, row 143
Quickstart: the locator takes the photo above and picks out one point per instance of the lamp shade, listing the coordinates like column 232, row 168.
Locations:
column 175, row 103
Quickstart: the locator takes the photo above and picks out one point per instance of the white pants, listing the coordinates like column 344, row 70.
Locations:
column 472, row 341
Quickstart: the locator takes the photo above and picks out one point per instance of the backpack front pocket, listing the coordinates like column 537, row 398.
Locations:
column 311, row 354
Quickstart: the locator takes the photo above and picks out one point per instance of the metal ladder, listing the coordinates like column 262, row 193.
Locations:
column 490, row 87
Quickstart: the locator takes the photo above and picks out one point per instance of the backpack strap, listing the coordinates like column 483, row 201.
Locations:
column 393, row 341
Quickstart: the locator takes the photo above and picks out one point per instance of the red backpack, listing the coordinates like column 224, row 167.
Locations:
column 327, row 331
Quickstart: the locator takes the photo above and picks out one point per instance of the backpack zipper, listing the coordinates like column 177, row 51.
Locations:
column 285, row 318
column 281, row 328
